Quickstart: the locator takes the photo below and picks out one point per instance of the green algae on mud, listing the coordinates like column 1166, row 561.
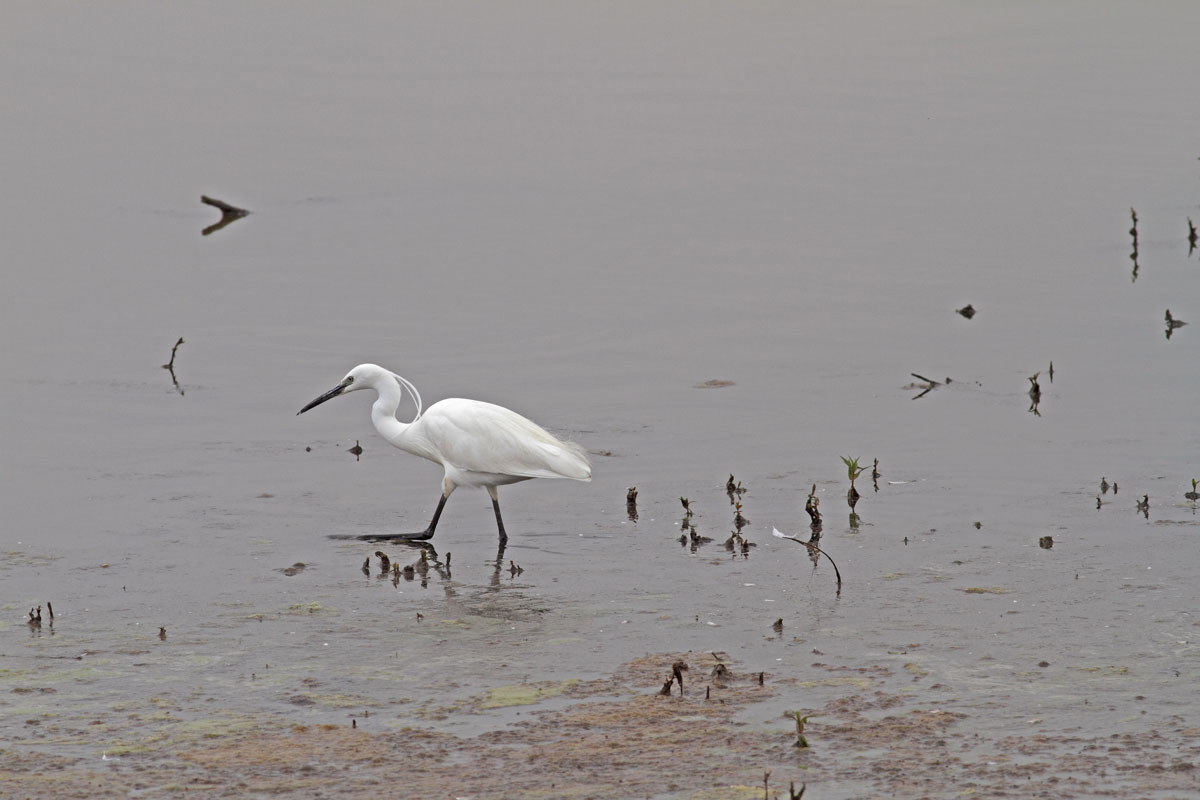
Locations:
column 615, row 737
column 523, row 694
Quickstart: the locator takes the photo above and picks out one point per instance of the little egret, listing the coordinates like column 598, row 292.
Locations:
column 477, row 443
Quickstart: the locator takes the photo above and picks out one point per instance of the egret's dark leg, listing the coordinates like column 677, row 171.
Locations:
column 419, row 536
column 428, row 532
column 499, row 519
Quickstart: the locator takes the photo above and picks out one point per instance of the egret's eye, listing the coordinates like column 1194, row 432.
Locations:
column 349, row 380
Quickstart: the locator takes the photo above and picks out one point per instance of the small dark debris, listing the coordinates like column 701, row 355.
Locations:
column 1046, row 542
column 715, row 383
column 294, row 569
column 967, row 311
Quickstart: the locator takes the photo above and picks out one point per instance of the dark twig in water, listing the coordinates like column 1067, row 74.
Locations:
column 1191, row 238
column 229, row 213
column 170, row 366
column 1134, row 255
column 927, row 385
column 811, row 545
column 677, row 670
column 1035, row 394
column 811, row 506
column 1173, row 323
column 792, row 793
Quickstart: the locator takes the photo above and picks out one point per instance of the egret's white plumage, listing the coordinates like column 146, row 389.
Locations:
column 478, row 444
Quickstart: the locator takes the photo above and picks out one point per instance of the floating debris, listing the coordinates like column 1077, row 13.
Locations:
column 1173, row 323
column 811, row 507
column 1191, row 238
column 1134, row 255
column 1035, row 394
column 777, row 626
column 1046, row 542
column 815, row 551
column 1192, row 495
column 967, row 311
column 677, row 670
column 384, row 561
column 631, row 503
column 514, row 569
column 926, row 385
column 170, row 366
column 734, row 489
column 720, row 673
column 229, row 214
column 162, row 633
column 356, row 450
column 715, row 383
column 1103, row 485
column 294, row 569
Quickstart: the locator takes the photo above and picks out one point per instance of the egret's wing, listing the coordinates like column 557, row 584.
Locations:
column 481, row 437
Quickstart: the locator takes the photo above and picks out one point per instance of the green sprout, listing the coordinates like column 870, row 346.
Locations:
column 853, row 470
column 800, row 740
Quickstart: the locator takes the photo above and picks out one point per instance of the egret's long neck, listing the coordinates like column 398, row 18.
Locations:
column 383, row 412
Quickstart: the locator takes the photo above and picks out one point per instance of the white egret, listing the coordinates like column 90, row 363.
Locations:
column 477, row 443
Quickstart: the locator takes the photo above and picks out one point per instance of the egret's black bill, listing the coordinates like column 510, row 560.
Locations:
column 332, row 393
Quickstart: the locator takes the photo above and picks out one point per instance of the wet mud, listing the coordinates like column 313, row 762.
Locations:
column 613, row 737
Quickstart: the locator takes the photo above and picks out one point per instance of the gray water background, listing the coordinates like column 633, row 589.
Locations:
column 581, row 211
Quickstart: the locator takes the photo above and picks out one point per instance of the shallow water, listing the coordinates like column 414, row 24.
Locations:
column 583, row 214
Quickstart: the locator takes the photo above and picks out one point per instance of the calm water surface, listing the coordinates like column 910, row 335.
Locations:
column 581, row 212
